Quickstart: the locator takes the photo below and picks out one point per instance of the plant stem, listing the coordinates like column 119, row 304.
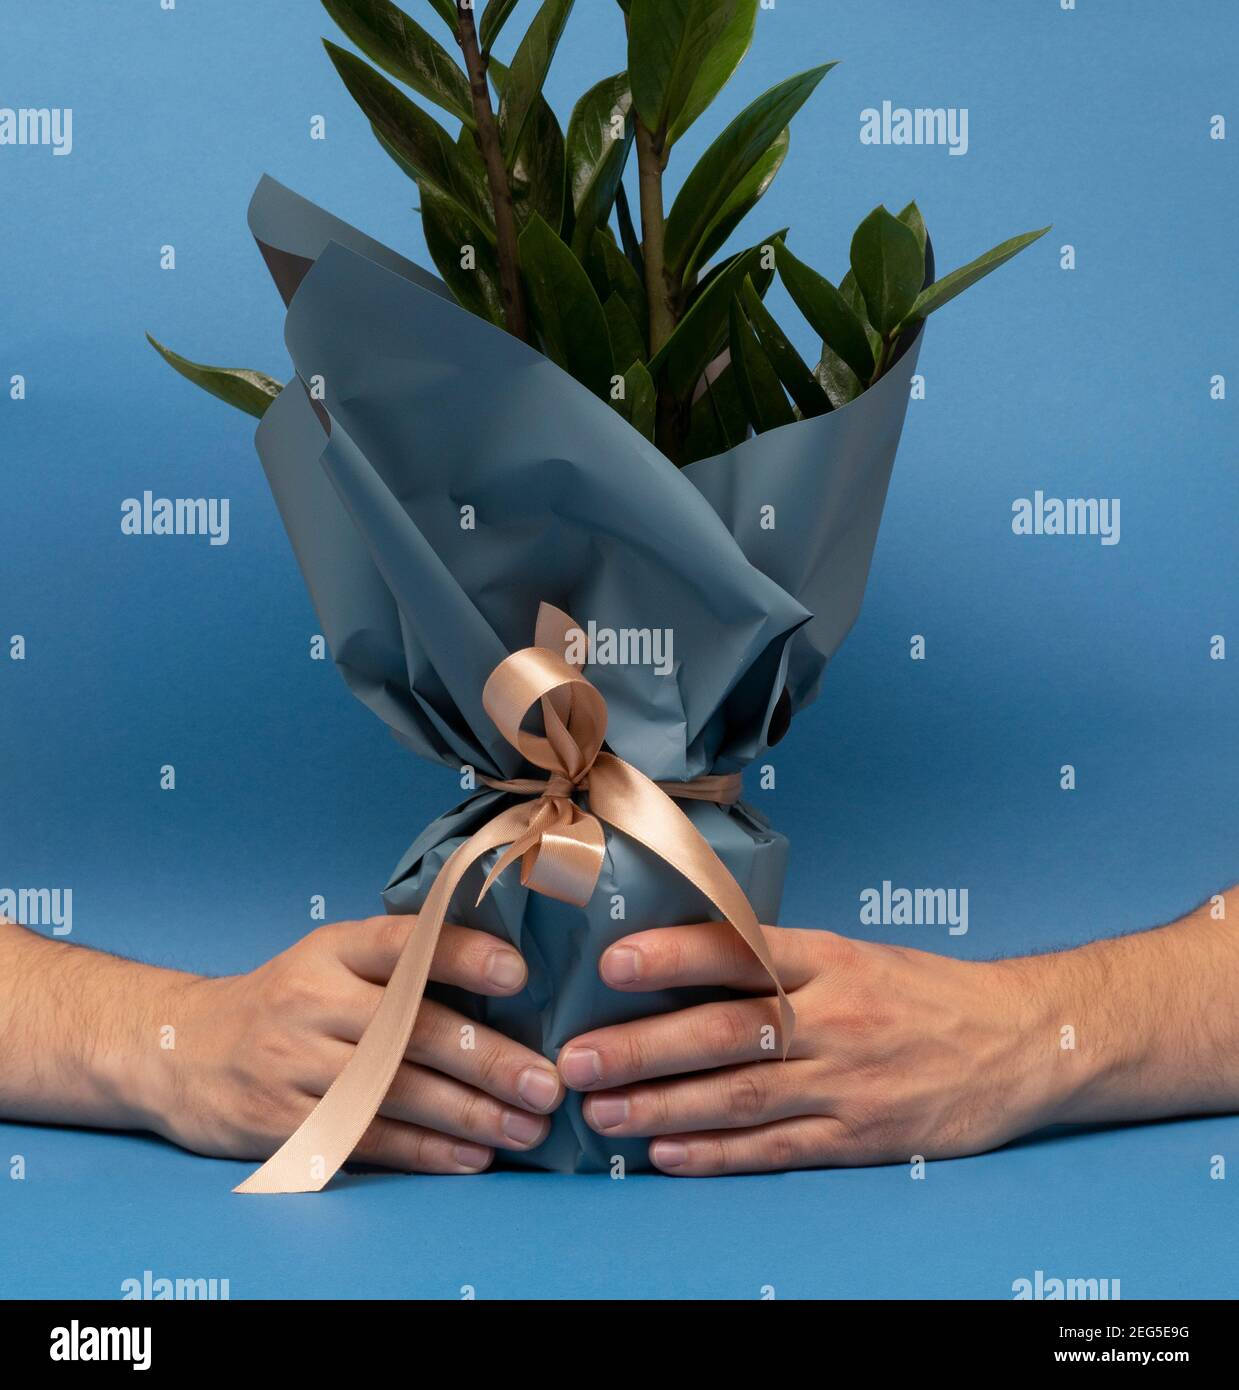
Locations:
column 654, row 235
column 661, row 294
column 486, row 134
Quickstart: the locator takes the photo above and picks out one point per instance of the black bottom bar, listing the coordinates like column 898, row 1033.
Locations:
column 356, row 1339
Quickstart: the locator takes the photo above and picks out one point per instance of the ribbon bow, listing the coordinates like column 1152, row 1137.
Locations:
column 561, row 847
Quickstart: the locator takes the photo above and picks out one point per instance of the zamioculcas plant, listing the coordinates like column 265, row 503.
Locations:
column 453, row 497
column 531, row 227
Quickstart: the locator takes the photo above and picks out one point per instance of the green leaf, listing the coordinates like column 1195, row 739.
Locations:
column 943, row 291
column 401, row 47
column 640, row 404
column 803, row 387
column 627, row 340
column 850, row 290
column 448, row 232
column 250, row 391
column 494, row 18
column 723, row 400
column 696, row 340
column 911, row 217
column 718, row 420
column 746, row 195
column 719, row 64
column 537, row 178
column 565, row 309
column 628, row 234
column 527, row 73
column 669, row 46
column 611, row 273
column 828, row 312
column 471, row 168
column 889, row 267
column 837, row 379
column 728, row 162
column 416, row 141
column 759, row 385
column 596, row 156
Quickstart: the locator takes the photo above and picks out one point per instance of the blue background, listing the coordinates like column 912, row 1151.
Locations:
column 1040, row 651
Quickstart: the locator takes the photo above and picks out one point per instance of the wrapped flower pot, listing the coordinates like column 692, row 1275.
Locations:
column 578, row 520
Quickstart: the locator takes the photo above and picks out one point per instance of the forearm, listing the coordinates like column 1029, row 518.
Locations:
column 1153, row 1021
column 80, row 1033
column 232, row 1066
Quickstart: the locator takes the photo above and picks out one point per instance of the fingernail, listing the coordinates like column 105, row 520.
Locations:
column 522, row 1128
column 607, row 1112
column 667, row 1153
column 538, row 1087
column 581, row 1066
column 471, row 1155
column 505, row 969
column 622, row 965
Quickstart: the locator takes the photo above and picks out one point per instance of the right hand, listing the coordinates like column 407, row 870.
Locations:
column 254, row 1053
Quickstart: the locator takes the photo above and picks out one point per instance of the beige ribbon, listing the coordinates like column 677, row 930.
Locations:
column 561, row 847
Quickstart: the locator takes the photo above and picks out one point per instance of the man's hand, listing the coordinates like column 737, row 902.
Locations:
column 896, row 1052
column 231, row 1066
column 899, row 1052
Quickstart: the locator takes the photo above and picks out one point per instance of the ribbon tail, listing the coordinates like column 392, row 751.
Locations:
column 628, row 800
column 314, row 1153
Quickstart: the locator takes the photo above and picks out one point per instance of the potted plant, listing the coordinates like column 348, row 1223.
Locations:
column 588, row 421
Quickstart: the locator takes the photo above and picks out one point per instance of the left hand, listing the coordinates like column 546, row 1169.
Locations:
column 896, row 1053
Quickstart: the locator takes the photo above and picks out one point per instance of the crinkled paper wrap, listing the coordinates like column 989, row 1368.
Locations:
column 418, row 409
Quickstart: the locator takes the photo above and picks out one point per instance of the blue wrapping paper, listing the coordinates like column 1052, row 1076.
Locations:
column 439, row 479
